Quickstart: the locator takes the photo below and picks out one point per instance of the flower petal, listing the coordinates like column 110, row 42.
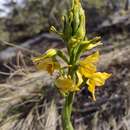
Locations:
column 47, row 64
column 99, row 78
column 91, row 88
column 94, row 58
column 87, row 66
column 43, row 64
column 87, row 70
column 80, row 79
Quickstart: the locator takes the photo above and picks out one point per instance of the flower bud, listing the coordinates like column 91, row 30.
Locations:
column 74, row 24
column 67, row 30
column 50, row 53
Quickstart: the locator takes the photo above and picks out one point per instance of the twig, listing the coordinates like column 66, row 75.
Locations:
column 19, row 47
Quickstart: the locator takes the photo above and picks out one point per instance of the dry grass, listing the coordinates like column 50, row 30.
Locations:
column 22, row 104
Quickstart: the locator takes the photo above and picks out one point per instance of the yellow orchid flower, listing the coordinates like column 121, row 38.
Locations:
column 66, row 84
column 97, row 79
column 47, row 64
column 87, row 66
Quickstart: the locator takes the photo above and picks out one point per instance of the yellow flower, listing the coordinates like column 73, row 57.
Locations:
column 87, row 66
column 47, row 64
column 66, row 84
column 96, row 79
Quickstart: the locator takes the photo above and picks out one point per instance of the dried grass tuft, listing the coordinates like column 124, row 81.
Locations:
column 25, row 104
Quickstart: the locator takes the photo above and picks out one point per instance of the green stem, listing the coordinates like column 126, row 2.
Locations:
column 66, row 113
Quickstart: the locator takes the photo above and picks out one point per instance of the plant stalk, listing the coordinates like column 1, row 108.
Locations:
column 66, row 113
